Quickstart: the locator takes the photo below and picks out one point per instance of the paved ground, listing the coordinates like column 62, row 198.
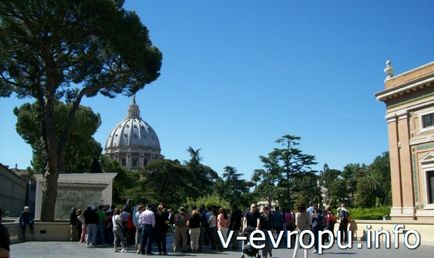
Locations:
column 76, row 250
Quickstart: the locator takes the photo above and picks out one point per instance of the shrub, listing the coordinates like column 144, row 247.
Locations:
column 370, row 213
column 208, row 200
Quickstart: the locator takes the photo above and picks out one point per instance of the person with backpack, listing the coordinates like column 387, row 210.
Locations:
column 343, row 223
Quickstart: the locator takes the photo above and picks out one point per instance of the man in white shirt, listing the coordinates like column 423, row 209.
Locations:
column 147, row 221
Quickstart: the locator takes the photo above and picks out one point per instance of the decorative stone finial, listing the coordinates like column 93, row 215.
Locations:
column 388, row 70
column 133, row 109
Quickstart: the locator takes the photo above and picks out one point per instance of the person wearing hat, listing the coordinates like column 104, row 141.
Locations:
column 4, row 239
column 26, row 219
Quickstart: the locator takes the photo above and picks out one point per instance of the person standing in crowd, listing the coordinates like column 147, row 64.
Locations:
column 203, row 239
column 311, row 208
column 317, row 225
column 343, row 223
column 138, row 236
column 4, row 239
column 277, row 220
column 193, row 225
column 171, row 217
column 161, row 227
column 330, row 221
column 26, row 219
column 147, row 220
column 212, row 224
column 223, row 222
column 235, row 225
column 352, row 228
column 251, row 217
column 124, row 216
column 289, row 224
column 73, row 221
column 118, row 231
column 180, row 222
column 108, row 226
column 80, row 217
column 265, row 223
column 302, row 222
column 91, row 220
column 101, row 219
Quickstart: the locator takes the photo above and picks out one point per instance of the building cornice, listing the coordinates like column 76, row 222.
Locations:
column 401, row 90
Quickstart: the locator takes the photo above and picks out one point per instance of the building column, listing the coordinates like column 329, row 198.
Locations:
column 408, row 205
column 395, row 170
column 128, row 161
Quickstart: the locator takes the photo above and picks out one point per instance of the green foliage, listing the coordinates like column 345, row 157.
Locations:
column 82, row 152
column 337, row 191
column 66, row 50
column 287, row 168
column 233, row 188
column 305, row 186
column 212, row 200
column 165, row 181
column 201, row 178
column 360, row 185
column 369, row 213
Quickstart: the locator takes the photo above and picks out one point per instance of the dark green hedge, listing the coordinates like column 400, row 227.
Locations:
column 370, row 213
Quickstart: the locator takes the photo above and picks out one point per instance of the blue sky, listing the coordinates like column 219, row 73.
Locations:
column 237, row 75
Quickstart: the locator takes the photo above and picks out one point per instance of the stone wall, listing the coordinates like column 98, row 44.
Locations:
column 42, row 231
column 12, row 192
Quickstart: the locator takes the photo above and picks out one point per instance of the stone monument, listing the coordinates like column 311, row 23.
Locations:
column 78, row 190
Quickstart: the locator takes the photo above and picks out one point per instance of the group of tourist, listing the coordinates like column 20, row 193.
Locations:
column 197, row 229
column 193, row 229
column 316, row 219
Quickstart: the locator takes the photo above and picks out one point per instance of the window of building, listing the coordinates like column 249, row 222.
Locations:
column 428, row 120
column 124, row 162
column 430, row 186
column 134, row 162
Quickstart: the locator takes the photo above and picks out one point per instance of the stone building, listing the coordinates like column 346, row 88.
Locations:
column 409, row 98
column 13, row 191
column 133, row 142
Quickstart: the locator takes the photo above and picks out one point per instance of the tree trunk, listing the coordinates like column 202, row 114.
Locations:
column 49, row 190
column 49, row 194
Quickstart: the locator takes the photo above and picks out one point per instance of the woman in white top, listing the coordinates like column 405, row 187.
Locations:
column 302, row 221
column 118, row 230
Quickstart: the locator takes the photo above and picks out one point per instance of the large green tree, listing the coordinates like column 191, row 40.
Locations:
column 65, row 50
column 233, row 188
column 201, row 177
column 335, row 185
column 283, row 166
column 83, row 151
column 165, row 181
